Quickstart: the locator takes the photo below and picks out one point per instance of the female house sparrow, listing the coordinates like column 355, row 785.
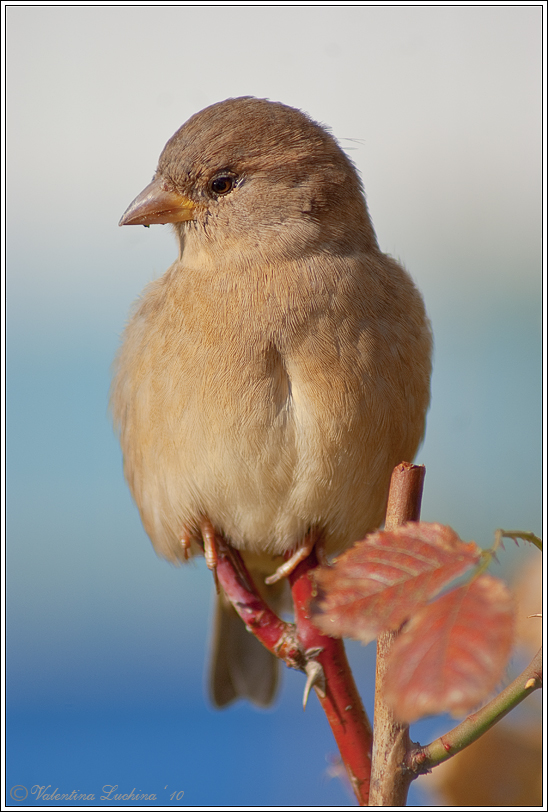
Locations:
column 269, row 382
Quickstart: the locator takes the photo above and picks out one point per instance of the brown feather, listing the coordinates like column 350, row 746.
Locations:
column 277, row 372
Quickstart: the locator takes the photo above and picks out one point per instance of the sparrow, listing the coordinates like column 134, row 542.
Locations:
column 268, row 383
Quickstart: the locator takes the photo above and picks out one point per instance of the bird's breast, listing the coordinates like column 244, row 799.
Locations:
column 267, row 415
column 208, row 424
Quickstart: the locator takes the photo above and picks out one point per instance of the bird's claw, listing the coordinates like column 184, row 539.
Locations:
column 288, row 566
column 210, row 551
column 208, row 536
column 186, row 543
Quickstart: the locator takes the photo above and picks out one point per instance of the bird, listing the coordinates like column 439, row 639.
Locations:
column 268, row 383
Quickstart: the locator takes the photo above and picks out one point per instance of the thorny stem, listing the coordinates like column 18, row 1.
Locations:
column 278, row 636
column 422, row 759
column 338, row 694
column 299, row 645
column 396, row 760
column 518, row 534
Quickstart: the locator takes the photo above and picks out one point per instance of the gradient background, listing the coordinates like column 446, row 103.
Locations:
column 440, row 108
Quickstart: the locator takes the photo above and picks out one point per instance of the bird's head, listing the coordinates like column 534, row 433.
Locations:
column 256, row 174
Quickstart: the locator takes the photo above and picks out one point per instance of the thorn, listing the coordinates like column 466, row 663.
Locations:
column 312, row 653
column 315, row 678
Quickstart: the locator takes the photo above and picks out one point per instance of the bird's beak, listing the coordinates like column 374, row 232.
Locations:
column 158, row 203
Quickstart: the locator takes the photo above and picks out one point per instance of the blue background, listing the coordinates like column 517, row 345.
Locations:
column 440, row 108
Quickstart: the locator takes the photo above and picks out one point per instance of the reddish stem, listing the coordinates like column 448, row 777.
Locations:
column 341, row 701
column 278, row 636
column 298, row 646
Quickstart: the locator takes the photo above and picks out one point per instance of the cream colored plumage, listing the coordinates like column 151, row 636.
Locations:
column 273, row 377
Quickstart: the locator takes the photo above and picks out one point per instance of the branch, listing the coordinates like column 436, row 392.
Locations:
column 300, row 647
column 276, row 635
column 519, row 534
column 390, row 777
column 338, row 694
column 305, row 648
column 422, row 759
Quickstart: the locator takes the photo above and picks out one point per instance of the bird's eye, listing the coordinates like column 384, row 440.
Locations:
column 222, row 184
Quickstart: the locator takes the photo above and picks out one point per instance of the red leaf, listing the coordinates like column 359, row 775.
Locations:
column 378, row 584
column 452, row 653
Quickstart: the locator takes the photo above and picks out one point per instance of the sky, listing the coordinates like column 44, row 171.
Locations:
column 440, row 108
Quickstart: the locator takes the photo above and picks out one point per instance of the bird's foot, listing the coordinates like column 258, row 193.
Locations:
column 186, row 543
column 210, row 551
column 288, row 566
column 207, row 532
